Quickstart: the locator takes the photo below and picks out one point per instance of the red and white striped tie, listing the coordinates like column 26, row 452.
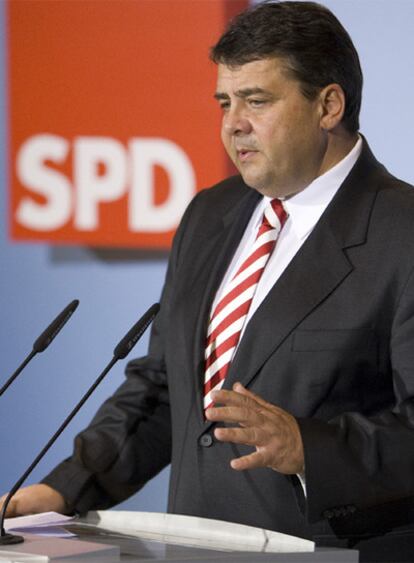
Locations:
column 227, row 319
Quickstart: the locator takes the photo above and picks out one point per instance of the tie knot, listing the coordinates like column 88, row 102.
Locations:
column 275, row 214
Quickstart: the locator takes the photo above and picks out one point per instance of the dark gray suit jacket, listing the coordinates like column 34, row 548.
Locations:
column 332, row 343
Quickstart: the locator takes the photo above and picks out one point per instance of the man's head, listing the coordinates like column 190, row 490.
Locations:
column 289, row 84
column 314, row 45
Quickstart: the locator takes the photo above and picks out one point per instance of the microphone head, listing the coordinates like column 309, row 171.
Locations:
column 124, row 347
column 43, row 341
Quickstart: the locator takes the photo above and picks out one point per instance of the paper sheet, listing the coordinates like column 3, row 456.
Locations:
column 47, row 524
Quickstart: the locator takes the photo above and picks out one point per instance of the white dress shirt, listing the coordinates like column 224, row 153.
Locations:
column 304, row 211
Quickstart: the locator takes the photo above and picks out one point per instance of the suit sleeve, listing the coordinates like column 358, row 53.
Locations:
column 362, row 467
column 129, row 439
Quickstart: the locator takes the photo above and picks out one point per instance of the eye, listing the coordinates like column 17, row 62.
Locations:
column 224, row 104
column 256, row 102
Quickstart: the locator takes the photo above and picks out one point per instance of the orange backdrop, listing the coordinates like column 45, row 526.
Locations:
column 111, row 118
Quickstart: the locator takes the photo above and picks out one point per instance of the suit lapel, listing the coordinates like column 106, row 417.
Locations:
column 318, row 268
column 303, row 286
column 208, row 268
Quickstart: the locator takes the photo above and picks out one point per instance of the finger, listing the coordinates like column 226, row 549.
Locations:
column 241, row 390
column 237, row 415
column 250, row 461
column 231, row 398
column 246, row 436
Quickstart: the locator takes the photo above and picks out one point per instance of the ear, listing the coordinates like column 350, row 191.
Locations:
column 332, row 104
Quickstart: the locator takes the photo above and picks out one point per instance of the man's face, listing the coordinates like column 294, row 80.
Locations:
column 270, row 130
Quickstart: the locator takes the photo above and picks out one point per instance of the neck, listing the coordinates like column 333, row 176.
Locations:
column 339, row 143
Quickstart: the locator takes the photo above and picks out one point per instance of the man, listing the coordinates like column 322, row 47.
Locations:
column 311, row 432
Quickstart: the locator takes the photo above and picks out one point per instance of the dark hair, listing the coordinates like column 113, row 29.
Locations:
column 315, row 46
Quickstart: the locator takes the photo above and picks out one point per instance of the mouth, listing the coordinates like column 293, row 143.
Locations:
column 245, row 154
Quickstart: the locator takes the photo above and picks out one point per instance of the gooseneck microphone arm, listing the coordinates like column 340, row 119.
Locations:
column 44, row 339
column 121, row 351
column 18, row 370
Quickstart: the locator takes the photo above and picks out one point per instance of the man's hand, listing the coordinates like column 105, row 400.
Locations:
column 272, row 431
column 34, row 499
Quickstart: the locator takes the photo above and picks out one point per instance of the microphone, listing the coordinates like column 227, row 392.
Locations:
column 43, row 341
column 121, row 350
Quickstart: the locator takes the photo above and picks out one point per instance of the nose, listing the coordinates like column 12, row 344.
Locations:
column 236, row 122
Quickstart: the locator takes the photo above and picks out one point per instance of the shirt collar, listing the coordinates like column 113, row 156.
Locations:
column 305, row 208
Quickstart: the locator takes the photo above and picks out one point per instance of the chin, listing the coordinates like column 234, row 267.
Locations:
column 252, row 182
column 263, row 189
column 275, row 189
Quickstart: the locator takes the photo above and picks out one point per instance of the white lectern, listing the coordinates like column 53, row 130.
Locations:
column 144, row 537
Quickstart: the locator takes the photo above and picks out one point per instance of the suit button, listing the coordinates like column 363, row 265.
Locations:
column 328, row 514
column 206, row 440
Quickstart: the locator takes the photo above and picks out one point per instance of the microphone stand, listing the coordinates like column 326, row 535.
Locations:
column 18, row 370
column 7, row 539
column 121, row 350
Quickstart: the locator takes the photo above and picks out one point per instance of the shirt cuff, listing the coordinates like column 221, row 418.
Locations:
column 302, row 479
